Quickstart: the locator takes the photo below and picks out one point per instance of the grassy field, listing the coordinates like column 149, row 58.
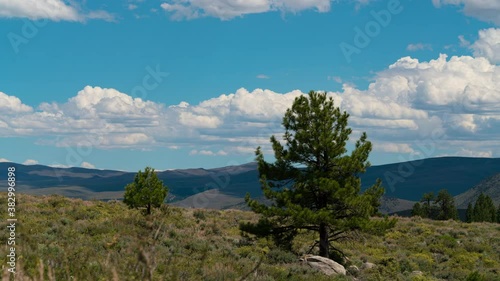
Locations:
column 58, row 238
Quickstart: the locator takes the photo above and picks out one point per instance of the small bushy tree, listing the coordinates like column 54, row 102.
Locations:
column 428, row 209
column 146, row 191
column 484, row 209
column 446, row 206
column 417, row 210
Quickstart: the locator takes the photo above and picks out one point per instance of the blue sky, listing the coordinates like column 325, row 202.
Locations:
column 196, row 83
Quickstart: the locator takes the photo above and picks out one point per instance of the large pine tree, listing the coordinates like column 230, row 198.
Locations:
column 314, row 183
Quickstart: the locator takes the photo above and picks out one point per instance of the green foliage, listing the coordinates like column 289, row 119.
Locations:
column 440, row 207
column 469, row 214
column 314, row 184
column 146, row 191
column 279, row 256
column 118, row 243
column 446, row 206
column 484, row 209
column 428, row 208
column 475, row 276
column 199, row 214
column 417, row 210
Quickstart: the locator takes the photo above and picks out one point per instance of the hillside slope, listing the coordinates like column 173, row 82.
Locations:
column 412, row 179
column 71, row 239
column 406, row 181
column 489, row 186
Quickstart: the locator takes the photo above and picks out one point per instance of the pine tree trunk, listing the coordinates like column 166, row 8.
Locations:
column 149, row 208
column 323, row 241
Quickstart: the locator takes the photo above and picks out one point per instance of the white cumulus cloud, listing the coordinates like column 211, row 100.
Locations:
column 12, row 104
column 229, row 9
column 488, row 45
column 485, row 10
column 452, row 101
column 55, row 10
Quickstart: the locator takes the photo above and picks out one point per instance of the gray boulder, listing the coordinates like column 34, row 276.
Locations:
column 353, row 270
column 325, row 265
column 367, row 265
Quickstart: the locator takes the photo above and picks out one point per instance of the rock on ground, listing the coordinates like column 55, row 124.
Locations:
column 325, row 265
column 353, row 270
column 367, row 265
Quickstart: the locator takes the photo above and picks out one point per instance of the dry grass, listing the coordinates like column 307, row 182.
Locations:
column 69, row 239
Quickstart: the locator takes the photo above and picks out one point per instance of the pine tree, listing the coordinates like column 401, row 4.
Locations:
column 417, row 210
column 470, row 213
column 146, row 191
column 446, row 206
column 427, row 208
column 491, row 212
column 314, row 184
column 484, row 209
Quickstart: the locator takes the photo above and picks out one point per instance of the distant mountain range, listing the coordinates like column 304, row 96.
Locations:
column 225, row 187
column 489, row 186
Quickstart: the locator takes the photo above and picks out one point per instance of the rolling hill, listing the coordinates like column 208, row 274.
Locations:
column 489, row 186
column 404, row 182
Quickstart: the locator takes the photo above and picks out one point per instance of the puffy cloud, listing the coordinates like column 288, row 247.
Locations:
column 263, row 76
column 470, row 153
column 30, row 162
column 454, row 102
column 4, row 160
column 55, row 10
column 12, row 105
column 228, row 9
column 87, row 165
column 485, row 10
column 199, row 121
column 220, row 9
column 393, row 147
column 488, row 45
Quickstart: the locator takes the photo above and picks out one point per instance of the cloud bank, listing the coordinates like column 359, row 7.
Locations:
column 452, row 101
column 229, row 9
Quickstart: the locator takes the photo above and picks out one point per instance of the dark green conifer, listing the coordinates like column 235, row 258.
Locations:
column 314, row 183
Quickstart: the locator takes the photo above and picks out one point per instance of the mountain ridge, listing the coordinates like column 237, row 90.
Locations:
column 405, row 182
